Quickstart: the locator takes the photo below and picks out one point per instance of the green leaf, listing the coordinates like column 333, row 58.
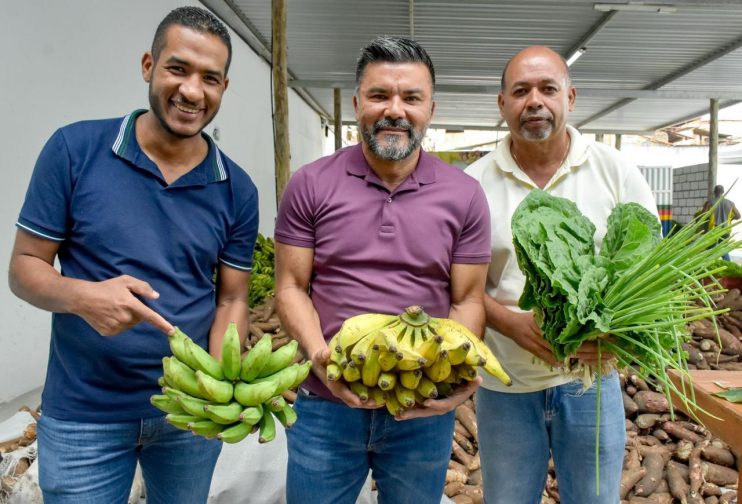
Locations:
column 632, row 233
column 732, row 394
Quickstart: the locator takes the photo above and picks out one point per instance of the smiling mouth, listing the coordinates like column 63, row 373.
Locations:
column 186, row 108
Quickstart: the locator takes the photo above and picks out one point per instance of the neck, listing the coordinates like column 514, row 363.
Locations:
column 391, row 173
column 172, row 154
column 540, row 160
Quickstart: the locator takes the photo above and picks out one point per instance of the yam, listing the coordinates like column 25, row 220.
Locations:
column 718, row 474
column 468, row 419
column 654, row 463
column 651, row 402
column 721, row 456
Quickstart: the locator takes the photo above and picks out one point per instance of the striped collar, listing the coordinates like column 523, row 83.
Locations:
column 127, row 147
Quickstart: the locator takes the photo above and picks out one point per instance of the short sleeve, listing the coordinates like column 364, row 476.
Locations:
column 635, row 189
column 238, row 251
column 473, row 245
column 45, row 211
column 295, row 221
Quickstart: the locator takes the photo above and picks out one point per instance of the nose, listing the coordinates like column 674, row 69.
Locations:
column 534, row 100
column 191, row 88
column 395, row 107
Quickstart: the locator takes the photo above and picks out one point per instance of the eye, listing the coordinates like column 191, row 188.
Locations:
column 413, row 99
column 519, row 92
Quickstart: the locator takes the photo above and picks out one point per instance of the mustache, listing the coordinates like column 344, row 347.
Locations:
column 392, row 123
column 528, row 117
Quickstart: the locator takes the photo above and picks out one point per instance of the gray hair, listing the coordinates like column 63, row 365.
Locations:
column 392, row 50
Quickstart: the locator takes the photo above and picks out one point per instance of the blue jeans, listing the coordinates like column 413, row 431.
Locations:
column 518, row 433
column 332, row 447
column 94, row 463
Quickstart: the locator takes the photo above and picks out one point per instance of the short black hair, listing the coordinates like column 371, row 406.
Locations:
column 393, row 50
column 718, row 190
column 197, row 19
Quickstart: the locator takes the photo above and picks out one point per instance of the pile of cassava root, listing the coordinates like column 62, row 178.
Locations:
column 706, row 350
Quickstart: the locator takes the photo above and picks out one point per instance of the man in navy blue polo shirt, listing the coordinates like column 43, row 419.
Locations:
column 140, row 212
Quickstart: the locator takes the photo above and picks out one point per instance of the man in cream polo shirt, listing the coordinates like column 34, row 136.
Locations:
column 545, row 413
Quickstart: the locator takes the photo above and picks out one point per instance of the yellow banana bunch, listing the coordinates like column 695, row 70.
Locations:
column 400, row 360
column 228, row 400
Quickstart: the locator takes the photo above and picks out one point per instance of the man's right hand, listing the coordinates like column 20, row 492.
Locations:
column 112, row 306
column 522, row 328
column 320, row 360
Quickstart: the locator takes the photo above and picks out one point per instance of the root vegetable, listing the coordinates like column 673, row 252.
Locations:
column 629, row 478
column 718, row 474
column 721, row 456
column 654, row 463
column 651, row 402
column 468, row 419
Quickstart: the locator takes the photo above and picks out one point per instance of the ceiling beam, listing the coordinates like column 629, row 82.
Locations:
column 696, row 115
column 588, row 36
column 694, row 65
column 484, row 127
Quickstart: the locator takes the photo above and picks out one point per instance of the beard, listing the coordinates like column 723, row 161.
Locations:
column 539, row 134
column 396, row 147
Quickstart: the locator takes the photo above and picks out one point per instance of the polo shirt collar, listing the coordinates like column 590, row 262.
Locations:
column 424, row 172
column 578, row 150
column 212, row 169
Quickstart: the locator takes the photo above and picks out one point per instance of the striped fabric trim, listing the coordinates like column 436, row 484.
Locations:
column 33, row 231
column 117, row 145
column 220, row 173
column 235, row 266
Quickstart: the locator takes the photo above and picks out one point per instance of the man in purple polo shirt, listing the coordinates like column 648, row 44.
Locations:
column 372, row 229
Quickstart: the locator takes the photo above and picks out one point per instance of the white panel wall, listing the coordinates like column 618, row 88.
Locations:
column 79, row 59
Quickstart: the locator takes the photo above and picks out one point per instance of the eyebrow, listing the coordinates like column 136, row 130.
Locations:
column 380, row 89
column 178, row 61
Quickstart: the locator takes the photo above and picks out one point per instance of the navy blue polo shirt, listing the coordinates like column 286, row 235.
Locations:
column 95, row 192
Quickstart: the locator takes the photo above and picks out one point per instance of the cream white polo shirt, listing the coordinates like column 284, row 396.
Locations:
column 594, row 176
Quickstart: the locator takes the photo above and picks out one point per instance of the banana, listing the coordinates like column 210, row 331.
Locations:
column 430, row 347
column 166, row 404
column 334, row 372
column 355, row 328
column 360, row 390
column 362, row 348
column 392, row 403
column 415, row 316
column 284, row 378
column 464, row 372
column 218, row 391
column 267, row 430
column 252, row 394
column 371, row 369
column 224, row 414
column 410, row 379
column 173, row 393
column 205, row 428
column 231, row 352
column 235, row 433
column 302, row 373
column 181, row 421
column 256, row 359
column 251, row 415
column 457, row 353
column 181, row 377
column 387, row 381
column 376, row 395
column 388, row 360
column 192, row 405
column 427, row 388
column 280, row 359
column 200, row 359
column 440, row 369
column 351, row 372
column 162, row 382
column 405, row 396
column 276, row 403
column 177, row 344
column 444, row 389
column 287, row 416
column 391, row 335
column 338, row 358
column 411, row 359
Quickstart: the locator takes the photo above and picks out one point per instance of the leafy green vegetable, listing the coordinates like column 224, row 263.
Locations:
column 731, row 269
column 262, row 281
column 733, row 394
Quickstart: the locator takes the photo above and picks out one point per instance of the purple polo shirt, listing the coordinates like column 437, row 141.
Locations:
column 376, row 251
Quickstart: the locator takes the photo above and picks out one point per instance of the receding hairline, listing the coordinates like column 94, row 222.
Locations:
column 545, row 51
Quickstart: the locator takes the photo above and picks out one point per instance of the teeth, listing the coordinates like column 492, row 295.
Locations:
column 186, row 109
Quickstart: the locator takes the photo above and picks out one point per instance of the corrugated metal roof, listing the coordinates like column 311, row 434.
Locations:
column 696, row 50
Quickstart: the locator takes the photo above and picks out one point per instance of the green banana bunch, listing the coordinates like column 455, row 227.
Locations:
column 228, row 400
column 401, row 360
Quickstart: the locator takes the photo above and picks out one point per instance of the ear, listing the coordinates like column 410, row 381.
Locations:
column 571, row 97
column 226, row 83
column 148, row 64
column 355, row 104
column 500, row 102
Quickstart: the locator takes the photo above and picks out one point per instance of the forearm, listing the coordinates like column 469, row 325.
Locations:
column 236, row 311
column 300, row 319
column 40, row 284
column 495, row 314
column 470, row 313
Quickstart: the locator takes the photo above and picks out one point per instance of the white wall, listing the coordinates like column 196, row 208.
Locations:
column 79, row 59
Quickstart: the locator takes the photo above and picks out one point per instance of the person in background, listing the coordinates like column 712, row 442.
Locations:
column 723, row 214
column 545, row 413
column 374, row 228
column 140, row 211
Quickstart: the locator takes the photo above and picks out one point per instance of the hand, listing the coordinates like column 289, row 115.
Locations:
column 522, row 328
column 588, row 354
column 320, row 360
column 112, row 307
column 432, row 407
